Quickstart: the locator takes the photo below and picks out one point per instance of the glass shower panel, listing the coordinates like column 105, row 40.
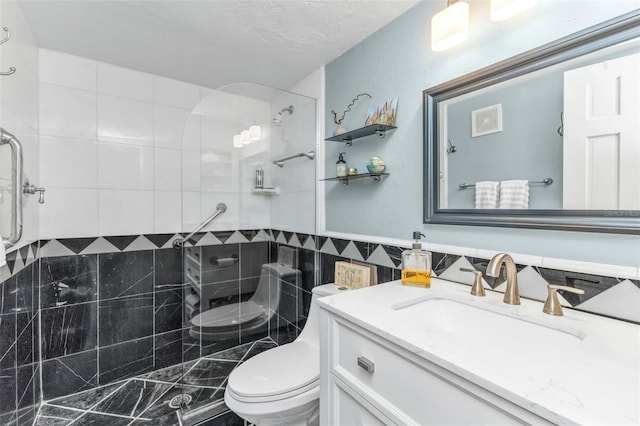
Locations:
column 248, row 272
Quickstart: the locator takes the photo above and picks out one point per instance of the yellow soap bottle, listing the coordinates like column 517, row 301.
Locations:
column 416, row 264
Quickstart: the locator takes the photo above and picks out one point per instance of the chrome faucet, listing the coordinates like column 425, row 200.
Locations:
column 511, row 295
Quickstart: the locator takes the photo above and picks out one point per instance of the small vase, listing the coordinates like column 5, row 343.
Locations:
column 376, row 165
column 339, row 130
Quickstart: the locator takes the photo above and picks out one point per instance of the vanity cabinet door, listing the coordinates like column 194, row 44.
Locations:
column 351, row 409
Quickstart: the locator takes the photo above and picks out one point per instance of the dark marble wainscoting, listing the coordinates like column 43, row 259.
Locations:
column 19, row 354
column 108, row 316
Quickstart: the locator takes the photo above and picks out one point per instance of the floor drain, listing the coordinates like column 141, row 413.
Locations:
column 180, row 400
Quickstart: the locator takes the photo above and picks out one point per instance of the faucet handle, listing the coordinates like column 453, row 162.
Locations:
column 477, row 289
column 552, row 306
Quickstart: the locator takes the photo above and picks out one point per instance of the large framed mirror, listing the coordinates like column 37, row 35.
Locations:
column 548, row 139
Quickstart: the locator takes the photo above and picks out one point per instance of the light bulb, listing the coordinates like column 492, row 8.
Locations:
column 245, row 137
column 450, row 27
column 255, row 133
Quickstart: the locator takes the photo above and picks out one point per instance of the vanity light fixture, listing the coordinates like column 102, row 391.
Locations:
column 237, row 141
column 505, row 9
column 451, row 26
column 245, row 137
column 255, row 133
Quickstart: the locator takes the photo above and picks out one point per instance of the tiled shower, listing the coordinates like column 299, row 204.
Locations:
column 96, row 301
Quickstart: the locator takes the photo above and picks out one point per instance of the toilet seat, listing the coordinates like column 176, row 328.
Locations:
column 277, row 374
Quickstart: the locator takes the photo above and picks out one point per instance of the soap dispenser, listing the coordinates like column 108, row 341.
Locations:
column 341, row 166
column 416, row 264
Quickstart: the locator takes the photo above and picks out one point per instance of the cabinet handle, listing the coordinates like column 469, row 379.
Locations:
column 366, row 365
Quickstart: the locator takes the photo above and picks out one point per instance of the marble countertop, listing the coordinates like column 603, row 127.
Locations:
column 597, row 382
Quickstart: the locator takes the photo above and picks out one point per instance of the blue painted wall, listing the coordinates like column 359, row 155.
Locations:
column 398, row 61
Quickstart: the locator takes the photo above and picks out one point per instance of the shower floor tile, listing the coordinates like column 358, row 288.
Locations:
column 155, row 398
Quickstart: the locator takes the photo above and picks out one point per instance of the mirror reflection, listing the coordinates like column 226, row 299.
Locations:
column 564, row 137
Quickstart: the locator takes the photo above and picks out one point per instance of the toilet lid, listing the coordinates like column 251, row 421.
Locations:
column 290, row 367
column 228, row 315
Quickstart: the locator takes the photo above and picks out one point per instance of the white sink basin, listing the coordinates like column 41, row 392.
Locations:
column 500, row 330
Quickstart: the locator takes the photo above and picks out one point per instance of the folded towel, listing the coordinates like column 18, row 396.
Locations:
column 487, row 195
column 514, row 194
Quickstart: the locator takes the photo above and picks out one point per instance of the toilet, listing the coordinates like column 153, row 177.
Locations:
column 252, row 315
column 281, row 386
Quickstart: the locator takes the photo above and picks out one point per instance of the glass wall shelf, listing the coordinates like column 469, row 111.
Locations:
column 377, row 177
column 349, row 137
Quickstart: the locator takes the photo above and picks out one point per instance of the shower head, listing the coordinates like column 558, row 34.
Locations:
column 277, row 120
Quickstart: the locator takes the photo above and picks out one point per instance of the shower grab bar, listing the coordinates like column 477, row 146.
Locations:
column 280, row 163
column 7, row 138
column 220, row 208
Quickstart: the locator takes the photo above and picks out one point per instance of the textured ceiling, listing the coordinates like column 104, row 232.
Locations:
column 211, row 42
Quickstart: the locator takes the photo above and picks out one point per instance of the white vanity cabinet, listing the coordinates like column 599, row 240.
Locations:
column 367, row 380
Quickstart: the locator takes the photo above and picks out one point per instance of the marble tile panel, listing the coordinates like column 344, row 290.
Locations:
column 169, row 374
column 68, row 280
column 167, row 348
column 307, row 266
column 53, row 413
column 25, row 386
column 258, row 347
column 68, row 329
column 227, row 418
column 87, row 399
column 220, row 263
column 8, row 292
column 69, row 374
column 7, row 390
column 385, row 274
column 94, row 419
column 284, row 332
column 125, row 274
column 125, row 318
column 236, row 353
column 7, row 340
column 209, row 373
column 167, row 270
column 289, row 302
column 252, row 257
column 25, row 288
column 168, row 310
column 125, row 360
column 212, row 346
column 133, row 398
column 26, row 416
column 190, row 346
column 168, row 419
column 25, row 343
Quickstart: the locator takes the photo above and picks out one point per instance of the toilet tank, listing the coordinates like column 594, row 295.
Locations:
column 311, row 331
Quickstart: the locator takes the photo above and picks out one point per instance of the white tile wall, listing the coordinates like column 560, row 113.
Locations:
column 125, row 166
column 123, row 154
column 125, row 121
column 68, row 163
column 67, row 112
column 67, row 70
column 125, row 83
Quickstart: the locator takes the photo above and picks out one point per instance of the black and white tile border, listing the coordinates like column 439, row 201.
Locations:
column 611, row 296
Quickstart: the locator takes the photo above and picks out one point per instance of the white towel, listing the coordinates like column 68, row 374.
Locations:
column 487, row 195
column 514, row 194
